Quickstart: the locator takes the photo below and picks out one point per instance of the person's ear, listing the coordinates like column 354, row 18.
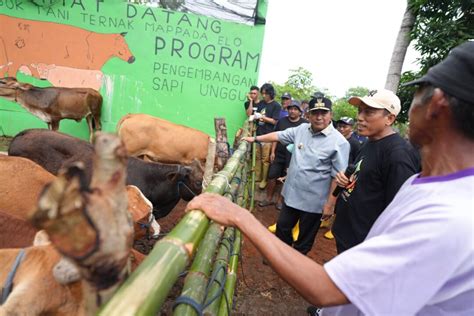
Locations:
column 390, row 119
column 437, row 105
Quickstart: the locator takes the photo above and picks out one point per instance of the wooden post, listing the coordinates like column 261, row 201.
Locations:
column 210, row 162
column 222, row 146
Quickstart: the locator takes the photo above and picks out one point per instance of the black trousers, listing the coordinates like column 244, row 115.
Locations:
column 309, row 226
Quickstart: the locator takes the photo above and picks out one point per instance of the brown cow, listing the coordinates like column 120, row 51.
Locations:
column 26, row 42
column 21, row 183
column 52, row 104
column 37, row 289
column 161, row 140
column 15, row 232
column 90, row 226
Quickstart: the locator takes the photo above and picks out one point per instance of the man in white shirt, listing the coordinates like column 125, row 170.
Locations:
column 418, row 258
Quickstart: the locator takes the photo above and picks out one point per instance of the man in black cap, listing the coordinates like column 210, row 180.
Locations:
column 280, row 156
column 285, row 102
column 345, row 126
column 319, row 153
column 417, row 258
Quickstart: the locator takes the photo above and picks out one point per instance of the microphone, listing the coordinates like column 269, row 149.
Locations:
column 349, row 171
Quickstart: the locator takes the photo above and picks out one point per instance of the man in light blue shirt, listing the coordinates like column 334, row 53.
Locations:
column 320, row 152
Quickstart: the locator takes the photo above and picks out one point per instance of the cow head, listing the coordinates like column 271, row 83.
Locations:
column 141, row 209
column 7, row 88
column 121, row 49
column 189, row 180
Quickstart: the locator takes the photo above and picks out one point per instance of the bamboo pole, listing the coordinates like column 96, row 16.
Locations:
column 146, row 289
column 219, row 271
column 197, row 278
column 228, row 298
column 252, row 187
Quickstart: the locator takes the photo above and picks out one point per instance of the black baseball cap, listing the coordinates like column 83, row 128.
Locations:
column 346, row 120
column 320, row 104
column 454, row 75
column 295, row 104
column 286, row 95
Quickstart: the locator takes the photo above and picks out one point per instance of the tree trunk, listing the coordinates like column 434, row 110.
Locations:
column 400, row 50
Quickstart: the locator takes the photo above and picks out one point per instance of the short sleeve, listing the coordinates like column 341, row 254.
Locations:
column 276, row 111
column 340, row 157
column 288, row 135
column 403, row 164
column 400, row 270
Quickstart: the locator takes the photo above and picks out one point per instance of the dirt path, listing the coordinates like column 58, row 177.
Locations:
column 260, row 291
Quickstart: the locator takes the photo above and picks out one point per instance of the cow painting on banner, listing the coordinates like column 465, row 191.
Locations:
column 55, row 52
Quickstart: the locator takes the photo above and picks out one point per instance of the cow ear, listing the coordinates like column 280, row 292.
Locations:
column 123, row 34
column 172, row 176
column 41, row 238
column 66, row 272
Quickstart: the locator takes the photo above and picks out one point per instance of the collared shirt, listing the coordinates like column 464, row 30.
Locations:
column 317, row 158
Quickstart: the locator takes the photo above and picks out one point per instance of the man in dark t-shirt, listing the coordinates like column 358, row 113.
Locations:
column 280, row 156
column 266, row 117
column 252, row 100
column 344, row 125
column 383, row 164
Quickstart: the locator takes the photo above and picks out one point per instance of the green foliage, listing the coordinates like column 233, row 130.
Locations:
column 439, row 27
column 342, row 108
column 356, row 92
column 406, row 94
column 299, row 84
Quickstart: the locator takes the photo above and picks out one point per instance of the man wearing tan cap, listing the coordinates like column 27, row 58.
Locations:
column 381, row 167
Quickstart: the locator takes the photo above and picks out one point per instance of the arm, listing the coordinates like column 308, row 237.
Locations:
column 270, row 137
column 272, row 153
column 250, row 108
column 328, row 208
column 315, row 286
column 268, row 120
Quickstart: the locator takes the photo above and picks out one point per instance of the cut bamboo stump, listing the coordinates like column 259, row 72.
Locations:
column 222, row 147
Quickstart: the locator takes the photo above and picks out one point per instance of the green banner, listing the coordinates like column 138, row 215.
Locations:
column 182, row 67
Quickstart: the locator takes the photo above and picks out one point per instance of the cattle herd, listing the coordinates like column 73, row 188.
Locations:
column 70, row 211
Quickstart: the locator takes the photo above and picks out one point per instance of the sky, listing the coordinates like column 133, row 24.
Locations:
column 344, row 43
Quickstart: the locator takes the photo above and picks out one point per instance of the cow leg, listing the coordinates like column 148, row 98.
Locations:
column 54, row 125
column 89, row 124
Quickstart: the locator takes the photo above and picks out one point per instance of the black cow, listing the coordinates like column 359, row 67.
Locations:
column 162, row 184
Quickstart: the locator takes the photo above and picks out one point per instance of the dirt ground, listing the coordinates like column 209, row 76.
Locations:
column 260, row 291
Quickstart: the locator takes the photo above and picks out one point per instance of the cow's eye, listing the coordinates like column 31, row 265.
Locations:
column 198, row 183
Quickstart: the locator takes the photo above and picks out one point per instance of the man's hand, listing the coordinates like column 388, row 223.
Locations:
column 249, row 139
column 216, row 207
column 328, row 211
column 249, row 97
column 341, row 179
column 272, row 157
column 258, row 116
